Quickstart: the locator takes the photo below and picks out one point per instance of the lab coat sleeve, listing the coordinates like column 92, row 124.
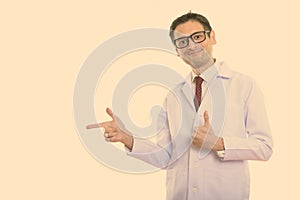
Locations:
column 258, row 144
column 157, row 154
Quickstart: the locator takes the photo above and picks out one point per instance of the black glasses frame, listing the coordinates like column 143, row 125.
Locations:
column 191, row 36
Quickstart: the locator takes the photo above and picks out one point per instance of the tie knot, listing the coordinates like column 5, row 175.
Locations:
column 198, row 80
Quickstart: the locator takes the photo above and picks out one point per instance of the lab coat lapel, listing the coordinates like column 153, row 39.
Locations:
column 188, row 93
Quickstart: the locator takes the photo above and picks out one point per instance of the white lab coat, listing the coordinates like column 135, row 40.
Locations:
column 245, row 132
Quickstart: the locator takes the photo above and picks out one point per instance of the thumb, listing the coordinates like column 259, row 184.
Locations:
column 206, row 119
column 110, row 113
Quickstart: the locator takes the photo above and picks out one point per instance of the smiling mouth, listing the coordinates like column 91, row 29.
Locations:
column 194, row 52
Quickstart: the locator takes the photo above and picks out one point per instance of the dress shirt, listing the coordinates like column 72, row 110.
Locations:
column 206, row 76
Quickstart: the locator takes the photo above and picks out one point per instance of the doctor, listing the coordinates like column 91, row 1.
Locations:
column 205, row 154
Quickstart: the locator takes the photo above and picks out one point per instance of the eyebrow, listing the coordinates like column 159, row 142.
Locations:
column 184, row 36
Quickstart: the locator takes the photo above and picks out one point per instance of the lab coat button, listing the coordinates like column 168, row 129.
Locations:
column 195, row 189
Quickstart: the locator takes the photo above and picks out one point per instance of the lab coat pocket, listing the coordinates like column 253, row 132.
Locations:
column 234, row 180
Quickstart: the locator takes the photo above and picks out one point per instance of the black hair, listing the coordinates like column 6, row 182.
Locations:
column 187, row 17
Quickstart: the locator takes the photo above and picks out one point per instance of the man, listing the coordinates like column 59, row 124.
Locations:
column 203, row 159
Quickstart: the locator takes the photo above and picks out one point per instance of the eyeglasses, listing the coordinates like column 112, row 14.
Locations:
column 196, row 37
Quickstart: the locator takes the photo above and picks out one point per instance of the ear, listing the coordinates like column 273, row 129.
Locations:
column 213, row 37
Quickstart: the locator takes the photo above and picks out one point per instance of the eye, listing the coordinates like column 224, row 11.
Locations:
column 198, row 37
column 181, row 42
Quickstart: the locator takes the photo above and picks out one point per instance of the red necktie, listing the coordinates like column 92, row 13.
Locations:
column 197, row 99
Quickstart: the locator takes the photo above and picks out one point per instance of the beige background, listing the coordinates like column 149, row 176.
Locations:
column 42, row 47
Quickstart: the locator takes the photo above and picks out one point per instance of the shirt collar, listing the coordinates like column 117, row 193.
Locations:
column 223, row 70
column 218, row 69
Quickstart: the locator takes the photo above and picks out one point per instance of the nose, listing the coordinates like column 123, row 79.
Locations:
column 192, row 45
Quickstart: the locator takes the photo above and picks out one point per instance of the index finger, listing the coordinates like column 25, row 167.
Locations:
column 90, row 126
column 99, row 125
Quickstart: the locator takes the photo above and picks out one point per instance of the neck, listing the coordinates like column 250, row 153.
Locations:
column 202, row 68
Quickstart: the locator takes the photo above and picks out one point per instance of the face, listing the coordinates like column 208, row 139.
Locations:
column 197, row 55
